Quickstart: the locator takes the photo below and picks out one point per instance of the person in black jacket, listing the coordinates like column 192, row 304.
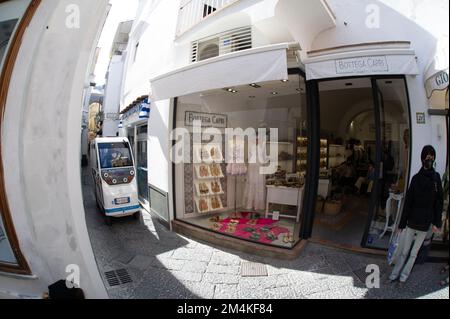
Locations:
column 422, row 211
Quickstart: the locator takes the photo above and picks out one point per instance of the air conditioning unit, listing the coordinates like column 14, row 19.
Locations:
column 208, row 49
column 220, row 44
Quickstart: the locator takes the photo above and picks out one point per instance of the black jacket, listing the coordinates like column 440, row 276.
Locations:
column 424, row 202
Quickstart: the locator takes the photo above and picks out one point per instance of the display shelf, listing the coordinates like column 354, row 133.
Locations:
column 207, row 154
column 207, row 178
column 212, row 188
column 302, row 153
column 209, row 205
column 285, row 149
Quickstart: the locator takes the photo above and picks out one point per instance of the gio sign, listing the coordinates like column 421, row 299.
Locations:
column 438, row 82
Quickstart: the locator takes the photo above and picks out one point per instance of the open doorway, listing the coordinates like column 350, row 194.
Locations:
column 364, row 166
column 348, row 146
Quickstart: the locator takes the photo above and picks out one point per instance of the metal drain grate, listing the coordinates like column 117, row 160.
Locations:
column 249, row 269
column 118, row 277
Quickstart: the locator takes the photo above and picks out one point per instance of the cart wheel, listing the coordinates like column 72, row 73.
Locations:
column 137, row 215
column 108, row 220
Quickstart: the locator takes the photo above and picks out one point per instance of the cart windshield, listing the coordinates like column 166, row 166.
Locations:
column 113, row 155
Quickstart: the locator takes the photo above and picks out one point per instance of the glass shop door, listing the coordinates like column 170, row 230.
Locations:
column 393, row 144
column 142, row 163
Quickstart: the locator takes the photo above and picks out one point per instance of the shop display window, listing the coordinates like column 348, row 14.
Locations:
column 246, row 186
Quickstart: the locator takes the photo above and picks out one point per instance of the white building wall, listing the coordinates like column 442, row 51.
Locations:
column 41, row 148
column 111, row 102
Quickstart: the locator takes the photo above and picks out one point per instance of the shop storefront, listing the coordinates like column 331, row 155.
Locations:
column 336, row 135
column 221, row 188
column 134, row 126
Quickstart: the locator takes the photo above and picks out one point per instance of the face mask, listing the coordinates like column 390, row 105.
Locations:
column 428, row 164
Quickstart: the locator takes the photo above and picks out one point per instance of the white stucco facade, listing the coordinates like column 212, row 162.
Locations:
column 111, row 101
column 322, row 29
column 41, row 148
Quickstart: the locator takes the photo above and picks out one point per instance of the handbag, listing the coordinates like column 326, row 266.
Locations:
column 394, row 248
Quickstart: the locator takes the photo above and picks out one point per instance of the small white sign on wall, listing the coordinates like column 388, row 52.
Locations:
column 276, row 215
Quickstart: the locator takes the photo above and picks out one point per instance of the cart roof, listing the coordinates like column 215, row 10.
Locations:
column 111, row 140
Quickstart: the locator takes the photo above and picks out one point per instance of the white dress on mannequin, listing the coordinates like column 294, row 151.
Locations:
column 255, row 192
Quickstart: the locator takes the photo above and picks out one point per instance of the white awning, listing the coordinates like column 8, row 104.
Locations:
column 239, row 68
column 362, row 64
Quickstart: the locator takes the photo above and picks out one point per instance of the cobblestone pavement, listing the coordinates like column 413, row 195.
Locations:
column 165, row 265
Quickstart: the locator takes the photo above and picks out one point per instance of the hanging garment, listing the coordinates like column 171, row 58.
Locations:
column 254, row 196
column 255, row 187
column 236, row 167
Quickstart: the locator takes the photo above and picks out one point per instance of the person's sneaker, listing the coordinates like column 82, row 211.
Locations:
column 390, row 281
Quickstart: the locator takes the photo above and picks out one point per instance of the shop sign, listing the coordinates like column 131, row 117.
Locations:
column 206, row 119
column 438, row 82
column 130, row 112
column 144, row 112
column 112, row 116
column 370, row 64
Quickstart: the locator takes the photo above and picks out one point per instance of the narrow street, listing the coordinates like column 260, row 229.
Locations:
column 163, row 264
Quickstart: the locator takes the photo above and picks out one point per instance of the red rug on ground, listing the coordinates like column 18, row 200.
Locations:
column 261, row 230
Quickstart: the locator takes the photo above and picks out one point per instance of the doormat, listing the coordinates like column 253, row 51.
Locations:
column 249, row 269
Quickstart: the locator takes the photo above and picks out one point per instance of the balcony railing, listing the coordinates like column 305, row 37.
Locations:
column 193, row 12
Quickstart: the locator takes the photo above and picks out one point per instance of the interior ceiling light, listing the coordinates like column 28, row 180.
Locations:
column 254, row 85
column 274, row 93
column 284, row 81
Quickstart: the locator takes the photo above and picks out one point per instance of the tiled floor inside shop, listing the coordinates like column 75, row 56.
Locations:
column 348, row 226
